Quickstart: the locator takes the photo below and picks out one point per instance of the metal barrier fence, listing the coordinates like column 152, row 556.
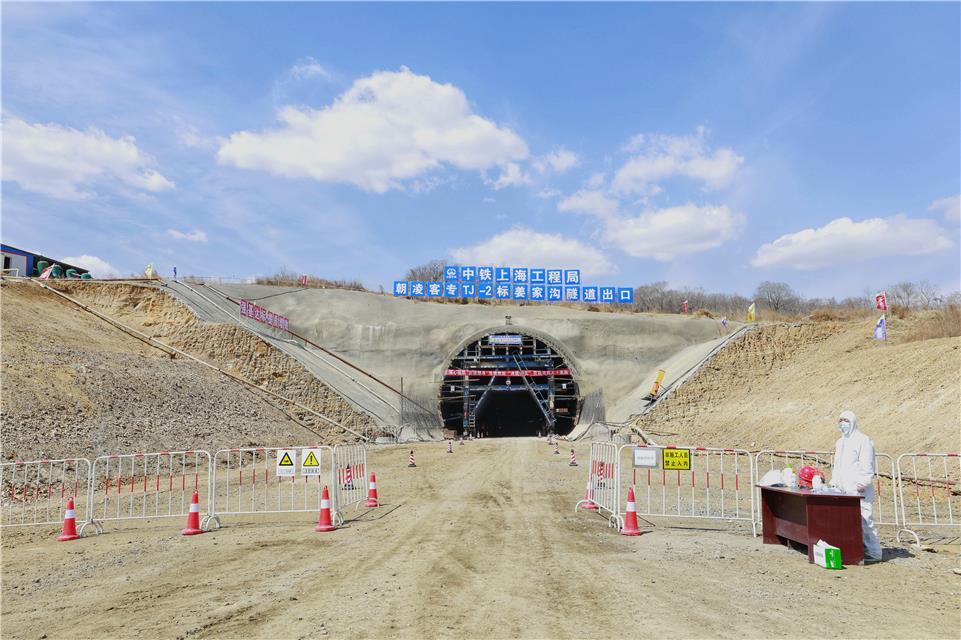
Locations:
column 928, row 492
column 36, row 492
column 259, row 480
column 602, row 481
column 688, row 482
column 885, row 500
column 146, row 485
column 350, row 461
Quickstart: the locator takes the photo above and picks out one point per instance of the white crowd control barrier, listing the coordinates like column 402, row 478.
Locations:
column 147, row 485
column 687, row 482
column 269, row 480
column 36, row 491
column 929, row 488
column 885, row 477
column 603, row 481
column 350, row 461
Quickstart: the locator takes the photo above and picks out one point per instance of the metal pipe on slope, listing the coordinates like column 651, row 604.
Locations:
column 169, row 350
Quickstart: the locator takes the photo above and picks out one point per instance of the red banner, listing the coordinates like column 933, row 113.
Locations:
column 254, row 312
column 531, row 373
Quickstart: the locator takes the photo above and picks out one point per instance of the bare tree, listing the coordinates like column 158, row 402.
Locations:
column 904, row 294
column 432, row 271
column 777, row 296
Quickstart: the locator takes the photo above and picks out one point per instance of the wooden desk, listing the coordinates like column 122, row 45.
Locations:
column 805, row 517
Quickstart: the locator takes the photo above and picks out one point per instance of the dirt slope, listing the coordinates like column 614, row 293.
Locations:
column 783, row 386
column 482, row 543
column 74, row 385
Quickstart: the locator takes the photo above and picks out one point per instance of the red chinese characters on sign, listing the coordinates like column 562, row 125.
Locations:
column 529, row 373
column 255, row 312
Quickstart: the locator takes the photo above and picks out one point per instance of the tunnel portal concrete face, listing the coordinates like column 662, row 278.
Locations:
column 509, row 382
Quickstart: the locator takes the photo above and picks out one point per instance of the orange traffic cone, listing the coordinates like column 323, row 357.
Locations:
column 589, row 498
column 372, row 500
column 630, row 518
column 193, row 517
column 323, row 523
column 69, row 524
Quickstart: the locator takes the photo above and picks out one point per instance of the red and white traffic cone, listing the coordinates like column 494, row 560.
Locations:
column 193, row 517
column 589, row 503
column 372, row 500
column 573, row 462
column 410, row 459
column 450, row 446
column 69, row 524
column 557, row 449
column 630, row 517
column 349, row 478
column 323, row 522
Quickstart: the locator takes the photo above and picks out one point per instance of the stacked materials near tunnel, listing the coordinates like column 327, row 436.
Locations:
column 509, row 383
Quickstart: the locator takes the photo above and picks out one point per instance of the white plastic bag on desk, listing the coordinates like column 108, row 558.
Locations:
column 772, row 478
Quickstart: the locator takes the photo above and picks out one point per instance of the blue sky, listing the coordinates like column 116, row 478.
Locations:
column 713, row 145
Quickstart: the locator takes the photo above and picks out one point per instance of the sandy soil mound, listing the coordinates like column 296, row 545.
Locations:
column 782, row 386
column 74, row 385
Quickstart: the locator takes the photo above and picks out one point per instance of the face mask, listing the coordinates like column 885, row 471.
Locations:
column 845, row 428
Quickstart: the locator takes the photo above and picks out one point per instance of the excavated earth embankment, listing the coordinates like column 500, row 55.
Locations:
column 782, row 386
column 75, row 385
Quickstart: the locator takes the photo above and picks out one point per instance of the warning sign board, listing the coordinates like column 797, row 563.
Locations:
column 286, row 462
column 310, row 462
column 676, row 459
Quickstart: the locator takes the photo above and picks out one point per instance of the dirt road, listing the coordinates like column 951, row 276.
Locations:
column 479, row 543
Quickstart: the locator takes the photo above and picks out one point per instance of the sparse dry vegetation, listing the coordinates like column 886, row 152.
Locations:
column 287, row 278
column 943, row 323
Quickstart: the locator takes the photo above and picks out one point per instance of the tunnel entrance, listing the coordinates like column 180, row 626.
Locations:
column 509, row 384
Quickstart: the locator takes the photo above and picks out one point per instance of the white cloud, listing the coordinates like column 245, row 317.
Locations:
column 98, row 267
column 65, row 163
column 306, row 68
column 661, row 156
column 951, row 207
column 547, row 193
column 511, row 176
column 488, row 200
column 594, row 203
column 596, row 181
column 387, row 128
column 522, row 247
column 665, row 234
column 192, row 236
column 557, row 161
column 844, row 241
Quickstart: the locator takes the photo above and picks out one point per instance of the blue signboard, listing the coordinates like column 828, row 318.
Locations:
column 514, row 283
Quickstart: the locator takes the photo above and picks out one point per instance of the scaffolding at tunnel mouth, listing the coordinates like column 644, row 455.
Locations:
column 509, row 383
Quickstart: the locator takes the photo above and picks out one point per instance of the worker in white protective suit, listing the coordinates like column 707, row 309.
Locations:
column 853, row 473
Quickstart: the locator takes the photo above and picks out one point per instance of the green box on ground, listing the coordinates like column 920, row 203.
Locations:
column 827, row 556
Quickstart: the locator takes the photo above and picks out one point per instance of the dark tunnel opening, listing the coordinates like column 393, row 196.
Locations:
column 509, row 384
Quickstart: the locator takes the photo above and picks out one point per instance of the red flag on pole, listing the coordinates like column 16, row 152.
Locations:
column 881, row 301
